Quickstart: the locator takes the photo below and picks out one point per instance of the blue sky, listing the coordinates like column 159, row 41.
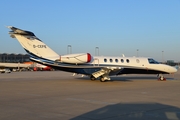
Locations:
column 115, row 26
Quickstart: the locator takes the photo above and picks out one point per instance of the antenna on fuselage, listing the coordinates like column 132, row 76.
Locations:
column 123, row 55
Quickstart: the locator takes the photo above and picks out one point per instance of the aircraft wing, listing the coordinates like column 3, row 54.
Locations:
column 95, row 71
column 13, row 65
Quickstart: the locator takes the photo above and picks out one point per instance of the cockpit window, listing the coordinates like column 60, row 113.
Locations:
column 152, row 61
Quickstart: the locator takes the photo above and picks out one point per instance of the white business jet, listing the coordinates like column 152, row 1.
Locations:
column 84, row 63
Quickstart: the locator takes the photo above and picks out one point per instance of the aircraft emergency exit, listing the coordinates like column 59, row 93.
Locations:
column 84, row 63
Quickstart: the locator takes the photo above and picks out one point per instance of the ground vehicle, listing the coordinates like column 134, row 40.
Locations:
column 5, row 71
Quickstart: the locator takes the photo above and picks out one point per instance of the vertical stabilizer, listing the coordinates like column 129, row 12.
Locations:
column 33, row 46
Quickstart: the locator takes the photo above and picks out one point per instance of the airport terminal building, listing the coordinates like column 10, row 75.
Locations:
column 14, row 58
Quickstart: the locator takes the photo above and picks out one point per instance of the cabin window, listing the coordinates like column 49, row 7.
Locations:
column 110, row 60
column 116, row 60
column 122, row 60
column 127, row 60
column 152, row 61
column 105, row 60
column 137, row 60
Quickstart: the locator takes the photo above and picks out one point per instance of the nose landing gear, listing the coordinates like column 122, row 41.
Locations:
column 161, row 77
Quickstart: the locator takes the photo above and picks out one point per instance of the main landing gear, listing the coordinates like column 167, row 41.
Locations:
column 92, row 78
column 161, row 77
column 102, row 79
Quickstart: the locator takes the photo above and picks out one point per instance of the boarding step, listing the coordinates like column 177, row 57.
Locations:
column 99, row 73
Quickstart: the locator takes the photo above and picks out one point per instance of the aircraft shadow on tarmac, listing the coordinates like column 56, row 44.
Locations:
column 132, row 111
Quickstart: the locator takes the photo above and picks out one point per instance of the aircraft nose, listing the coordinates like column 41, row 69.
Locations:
column 173, row 70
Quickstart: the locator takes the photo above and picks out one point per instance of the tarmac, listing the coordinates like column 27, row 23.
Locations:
column 57, row 95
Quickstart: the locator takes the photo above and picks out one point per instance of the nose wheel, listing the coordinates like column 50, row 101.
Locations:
column 161, row 77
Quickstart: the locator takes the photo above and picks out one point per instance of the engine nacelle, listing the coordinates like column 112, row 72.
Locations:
column 76, row 58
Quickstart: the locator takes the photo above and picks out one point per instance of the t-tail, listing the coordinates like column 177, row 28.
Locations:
column 33, row 46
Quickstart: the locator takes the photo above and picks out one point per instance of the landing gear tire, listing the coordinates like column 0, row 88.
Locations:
column 162, row 79
column 102, row 79
column 92, row 78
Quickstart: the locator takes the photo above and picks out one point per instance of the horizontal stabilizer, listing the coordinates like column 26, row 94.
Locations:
column 19, row 31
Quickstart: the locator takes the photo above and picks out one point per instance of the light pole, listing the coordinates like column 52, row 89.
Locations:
column 97, row 51
column 162, row 56
column 137, row 52
column 69, row 47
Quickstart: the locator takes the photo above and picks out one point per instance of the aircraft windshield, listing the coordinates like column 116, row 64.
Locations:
column 152, row 61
